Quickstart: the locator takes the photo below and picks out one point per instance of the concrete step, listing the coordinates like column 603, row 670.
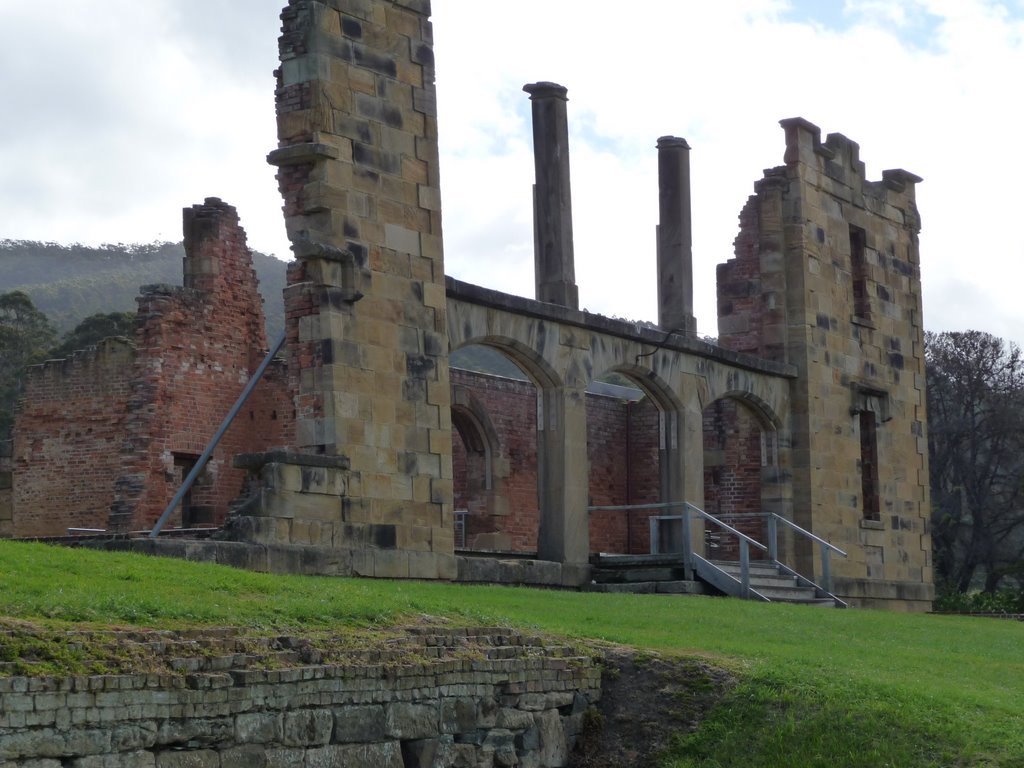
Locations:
column 768, row 580
column 608, row 560
column 756, row 567
column 788, row 594
column 677, row 587
column 628, row 575
column 776, row 586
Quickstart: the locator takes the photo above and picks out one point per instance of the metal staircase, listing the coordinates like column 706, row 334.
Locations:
column 673, row 567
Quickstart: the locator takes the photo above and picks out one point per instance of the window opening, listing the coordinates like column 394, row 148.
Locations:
column 869, row 466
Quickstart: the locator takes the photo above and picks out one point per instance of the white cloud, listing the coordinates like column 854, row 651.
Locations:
column 115, row 120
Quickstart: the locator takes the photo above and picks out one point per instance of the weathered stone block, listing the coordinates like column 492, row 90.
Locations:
column 249, row 756
column 381, row 755
column 200, row 758
column 258, row 728
column 286, row 758
column 359, row 723
column 140, row 759
column 311, row 727
column 413, row 721
column 390, row 564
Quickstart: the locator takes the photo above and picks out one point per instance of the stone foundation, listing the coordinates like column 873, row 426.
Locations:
column 433, row 697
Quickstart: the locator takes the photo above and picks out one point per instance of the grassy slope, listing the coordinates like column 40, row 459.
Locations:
column 819, row 687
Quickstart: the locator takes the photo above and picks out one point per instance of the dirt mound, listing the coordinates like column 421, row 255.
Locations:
column 645, row 700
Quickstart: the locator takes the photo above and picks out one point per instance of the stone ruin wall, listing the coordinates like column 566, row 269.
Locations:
column 97, row 434
column 827, row 277
column 366, row 308
column 472, row 697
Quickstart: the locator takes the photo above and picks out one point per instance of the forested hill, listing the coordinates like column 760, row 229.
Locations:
column 71, row 282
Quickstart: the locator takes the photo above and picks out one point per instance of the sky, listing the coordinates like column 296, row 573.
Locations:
column 113, row 121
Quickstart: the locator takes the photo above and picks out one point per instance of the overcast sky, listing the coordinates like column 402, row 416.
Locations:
column 112, row 119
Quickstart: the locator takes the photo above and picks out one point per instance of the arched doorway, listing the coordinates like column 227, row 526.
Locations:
column 740, row 461
column 494, row 451
column 632, row 448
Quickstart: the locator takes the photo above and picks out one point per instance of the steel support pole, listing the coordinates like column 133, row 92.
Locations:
column 212, row 445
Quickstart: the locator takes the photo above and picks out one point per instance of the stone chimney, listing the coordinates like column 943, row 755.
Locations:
column 554, row 270
column 675, row 237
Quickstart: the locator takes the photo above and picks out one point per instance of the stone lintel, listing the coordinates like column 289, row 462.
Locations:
column 256, row 461
column 297, row 154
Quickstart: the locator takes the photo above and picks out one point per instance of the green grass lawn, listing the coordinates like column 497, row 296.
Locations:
column 817, row 687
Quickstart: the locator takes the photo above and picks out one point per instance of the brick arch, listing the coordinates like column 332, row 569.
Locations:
column 481, row 469
column 471, row 420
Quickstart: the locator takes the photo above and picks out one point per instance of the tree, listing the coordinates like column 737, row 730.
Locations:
column 94, row 329
column 976, row 455
column 25, row 337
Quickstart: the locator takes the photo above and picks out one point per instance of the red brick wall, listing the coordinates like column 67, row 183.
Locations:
column 645, row 472
column 6, row 487
column 622, row 447
column 195, row 350
column 511, row 407
column 739, row 288
column 68, row 439
column 751, row 294
column 732, row 472
column 97, row 436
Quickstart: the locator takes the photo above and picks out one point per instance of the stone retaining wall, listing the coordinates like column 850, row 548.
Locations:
column 432, row 697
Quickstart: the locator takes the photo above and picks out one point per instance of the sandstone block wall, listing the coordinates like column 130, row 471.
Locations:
column 440, row 698
column 365, row 304
column 827, row 278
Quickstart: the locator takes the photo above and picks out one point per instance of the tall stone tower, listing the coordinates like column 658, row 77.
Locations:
column 365, row 304
column 827, row 277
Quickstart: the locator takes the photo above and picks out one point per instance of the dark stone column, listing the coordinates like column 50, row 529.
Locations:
column 554, row 270
column 675, row 237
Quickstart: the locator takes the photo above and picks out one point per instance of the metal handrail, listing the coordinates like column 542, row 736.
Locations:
column 688, row 554
column 808, row 534
column 739, row 534
column 773, row 545
column 744, row 540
